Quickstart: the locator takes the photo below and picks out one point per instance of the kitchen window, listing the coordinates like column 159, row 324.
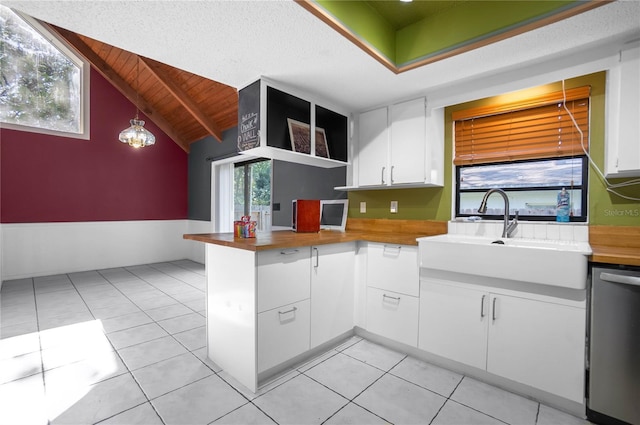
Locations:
column 532, row 149
column 44, row 84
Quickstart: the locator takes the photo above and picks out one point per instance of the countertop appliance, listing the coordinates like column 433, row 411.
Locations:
column 613, row 369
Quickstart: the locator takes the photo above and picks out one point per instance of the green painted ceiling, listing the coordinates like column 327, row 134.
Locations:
column 406, row 33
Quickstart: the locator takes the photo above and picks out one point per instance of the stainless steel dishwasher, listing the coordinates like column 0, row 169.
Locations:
column 613, row 369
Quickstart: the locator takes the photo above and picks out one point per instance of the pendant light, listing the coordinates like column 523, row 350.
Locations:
column 137, row 136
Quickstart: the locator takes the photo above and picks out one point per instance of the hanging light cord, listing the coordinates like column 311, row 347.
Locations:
column 610, row 187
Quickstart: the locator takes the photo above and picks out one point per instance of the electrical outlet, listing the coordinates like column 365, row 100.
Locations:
column 394, row 206
column 363, row 207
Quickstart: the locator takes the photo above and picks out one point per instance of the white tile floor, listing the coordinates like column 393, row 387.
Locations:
column 126, row 346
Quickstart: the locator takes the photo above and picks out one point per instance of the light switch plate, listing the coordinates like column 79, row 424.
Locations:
column 363, row 207
column 394, row 206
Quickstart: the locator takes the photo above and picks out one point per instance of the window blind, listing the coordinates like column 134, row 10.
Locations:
column 537, row 127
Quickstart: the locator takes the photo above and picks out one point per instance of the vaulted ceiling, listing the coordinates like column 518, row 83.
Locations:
column 187, row 107
column 192, row 56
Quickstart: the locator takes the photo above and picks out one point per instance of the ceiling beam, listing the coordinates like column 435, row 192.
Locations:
column 182, row 97
column 120, row 84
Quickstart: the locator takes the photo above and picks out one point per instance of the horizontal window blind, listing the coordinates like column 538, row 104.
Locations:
column 534, row 128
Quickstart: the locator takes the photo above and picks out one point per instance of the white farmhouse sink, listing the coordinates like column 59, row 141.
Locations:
column 547, row 262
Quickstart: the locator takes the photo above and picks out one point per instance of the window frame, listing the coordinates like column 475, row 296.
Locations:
column 85, row 76
column 584, row 187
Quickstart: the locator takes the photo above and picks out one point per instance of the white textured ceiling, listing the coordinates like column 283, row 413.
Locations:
column 235, row 42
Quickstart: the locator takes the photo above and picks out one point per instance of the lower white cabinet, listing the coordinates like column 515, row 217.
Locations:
column 393, row 315
column 393, row 267
column 453, row 323
column 537, row 343
column 283, row 333
column 332, row 291
column 534, row 342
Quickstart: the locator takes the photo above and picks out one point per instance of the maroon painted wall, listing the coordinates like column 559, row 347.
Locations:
column 57, row 179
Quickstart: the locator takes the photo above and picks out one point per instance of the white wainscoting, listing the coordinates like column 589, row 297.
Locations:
column 41, row 249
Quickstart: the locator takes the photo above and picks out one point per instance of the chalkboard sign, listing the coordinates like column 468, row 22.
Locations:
column 249, row 117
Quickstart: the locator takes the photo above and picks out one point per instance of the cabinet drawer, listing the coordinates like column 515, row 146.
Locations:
column 284, row 277
column 393, row 268
column 393, row 315
column 283, row 333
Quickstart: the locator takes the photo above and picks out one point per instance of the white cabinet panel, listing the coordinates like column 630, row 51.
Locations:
column 373, row 148
column 283, row 277
column 393, row 315
column 393, row 267
column 283, row 333
column 623, row 110
column 408, row 142
column 332, row 291
column 539, row 344
column 453, row 323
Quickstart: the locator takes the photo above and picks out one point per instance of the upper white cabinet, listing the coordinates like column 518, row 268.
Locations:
column 373, row 150
column 277, row 122
column 623, row 109
column 408, row 142
column 400, row 146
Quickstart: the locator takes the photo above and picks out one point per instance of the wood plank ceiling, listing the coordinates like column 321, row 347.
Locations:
column 187, row 107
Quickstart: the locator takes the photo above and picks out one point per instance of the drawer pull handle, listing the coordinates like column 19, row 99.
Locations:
column 383, row 174
column 482, row 306
column 317, row 257
column 289, row 252
column 288, row 311
column 390, row 297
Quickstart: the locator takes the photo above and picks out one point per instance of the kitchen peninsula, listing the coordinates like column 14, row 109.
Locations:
column 278, row 298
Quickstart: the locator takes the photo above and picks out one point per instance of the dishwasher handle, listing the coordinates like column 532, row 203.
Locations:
column 619, row 278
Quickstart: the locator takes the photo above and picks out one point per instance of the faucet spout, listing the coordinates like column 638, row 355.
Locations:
column 508, row 227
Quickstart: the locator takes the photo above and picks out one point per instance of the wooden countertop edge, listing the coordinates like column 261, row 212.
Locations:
column 615, row 255
column 288, row 239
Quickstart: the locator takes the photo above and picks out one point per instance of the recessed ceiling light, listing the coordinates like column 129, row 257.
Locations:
column 406, row 1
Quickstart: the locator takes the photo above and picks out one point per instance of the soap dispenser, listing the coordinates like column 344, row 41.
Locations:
column 562, row 208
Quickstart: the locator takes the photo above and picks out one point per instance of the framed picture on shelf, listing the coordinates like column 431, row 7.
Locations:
column 300, row 134
column 322, row 149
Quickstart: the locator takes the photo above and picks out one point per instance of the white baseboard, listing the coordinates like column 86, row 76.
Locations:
column 41, row 249
column 196, row 251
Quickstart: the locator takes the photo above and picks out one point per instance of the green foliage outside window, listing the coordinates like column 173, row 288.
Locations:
column 39, row 85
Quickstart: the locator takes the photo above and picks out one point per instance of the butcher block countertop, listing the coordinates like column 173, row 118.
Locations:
column 615, row 244
column 400, row 232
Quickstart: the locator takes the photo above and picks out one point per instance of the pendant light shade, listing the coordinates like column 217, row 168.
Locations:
column 137, row 136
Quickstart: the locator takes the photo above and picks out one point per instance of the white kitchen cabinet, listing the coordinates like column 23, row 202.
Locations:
column 623, row 109
column 373, row 149
column 399, row 146
column 393, row 267
column 537, row 343
column 283, row 277
column 332, row 291
column 453, row 323
column 393, row 315
column 283, row 333
column 408, row 142
column 392, row 302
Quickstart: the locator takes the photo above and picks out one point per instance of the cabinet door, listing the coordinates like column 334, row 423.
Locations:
column 332, row 303
column 453, row 323
column 623, row 108
column 393, row 315
column 408, row 142
column 283, row 333
column 539, row 344
column 394, row 268
column 283, row 277
column 373, row 148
